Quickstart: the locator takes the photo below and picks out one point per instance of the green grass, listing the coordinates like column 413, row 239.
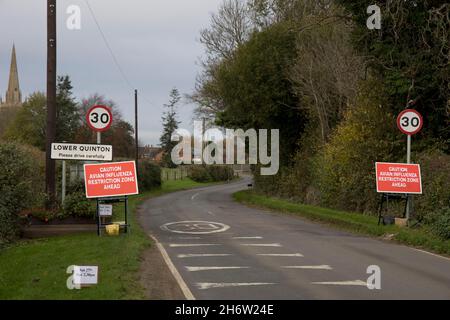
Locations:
column 37, row 269
column 353, row 222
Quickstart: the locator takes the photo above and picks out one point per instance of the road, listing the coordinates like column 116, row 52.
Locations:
column 225, row 250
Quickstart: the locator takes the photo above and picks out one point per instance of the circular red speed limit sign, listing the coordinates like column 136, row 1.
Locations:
column 99, row 118
column 410, row 122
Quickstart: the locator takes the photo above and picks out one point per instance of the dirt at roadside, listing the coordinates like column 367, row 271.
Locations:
column 156, row 277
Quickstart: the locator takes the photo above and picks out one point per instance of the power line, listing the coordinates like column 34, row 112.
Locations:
column 105, row 40
column 113, row 56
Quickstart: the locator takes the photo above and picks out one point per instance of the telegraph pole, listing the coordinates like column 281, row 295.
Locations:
column 50, row 172
column 136, row 135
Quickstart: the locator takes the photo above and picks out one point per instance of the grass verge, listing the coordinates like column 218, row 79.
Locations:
column 37, row 269
column 353, row 222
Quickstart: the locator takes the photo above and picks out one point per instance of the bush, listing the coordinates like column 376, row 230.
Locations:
column 149, row 176
column 21, row 186
column 211, row 173
column 199, row 174
column 9, row 227
column 77, row 205
column 344, row 171
column 435, row 167
column 441, row 225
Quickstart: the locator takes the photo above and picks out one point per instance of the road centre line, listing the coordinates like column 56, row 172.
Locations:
column 177, row 245
column 281, row 254
column 319, row 267
column 246, row 238
column 189, row 238
column 194, row 196
column 209, row 285
column 193, row 269
column 195, row 255
column 261, row 244
column 343, row 283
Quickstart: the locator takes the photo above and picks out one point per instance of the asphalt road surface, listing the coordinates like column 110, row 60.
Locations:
column 219, row 249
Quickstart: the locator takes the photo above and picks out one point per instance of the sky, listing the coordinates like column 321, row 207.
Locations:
column 155, row 43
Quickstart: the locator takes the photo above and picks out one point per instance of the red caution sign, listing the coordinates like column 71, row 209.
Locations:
column 110, row 179
column 398, row 178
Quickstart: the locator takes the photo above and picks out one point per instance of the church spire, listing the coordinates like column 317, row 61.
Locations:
column 13, row 95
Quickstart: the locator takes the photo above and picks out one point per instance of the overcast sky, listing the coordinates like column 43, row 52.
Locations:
column 155, row 42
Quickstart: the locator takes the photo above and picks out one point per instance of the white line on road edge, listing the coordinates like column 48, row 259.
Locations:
column 344, row 283
column 261, row 244
column 195, row 255
column 194, row 196
column 246, row 238
column 280, row 254
column 183, row 286
column 208, row 285
column 193, row 269
column 176, row 245
column 431, row 254
column 321, row 267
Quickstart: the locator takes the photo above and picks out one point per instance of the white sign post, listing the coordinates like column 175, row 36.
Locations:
column 409, row 122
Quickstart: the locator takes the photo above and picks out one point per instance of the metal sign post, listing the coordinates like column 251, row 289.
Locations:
column 63, row 182
column 408, row 160
column 409, row 122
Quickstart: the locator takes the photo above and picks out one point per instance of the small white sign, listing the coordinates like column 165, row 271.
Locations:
column 85, row 275
column 86, row 152
column 105, row 210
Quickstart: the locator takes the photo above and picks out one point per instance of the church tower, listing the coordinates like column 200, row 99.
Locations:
column 13, row 94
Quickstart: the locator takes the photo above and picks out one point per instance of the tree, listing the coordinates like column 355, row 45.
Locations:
column 30, row 124
column 327, row 72
column 7, row 115
column 256, row 91
column 410, row 55
column 170, row 125
column 230, row 28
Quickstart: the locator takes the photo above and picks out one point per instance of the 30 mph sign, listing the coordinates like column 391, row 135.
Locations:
column 99, row 118
column 410, row 122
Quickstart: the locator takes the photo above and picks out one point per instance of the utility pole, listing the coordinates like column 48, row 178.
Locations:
column 136, row 134
column 50, row 172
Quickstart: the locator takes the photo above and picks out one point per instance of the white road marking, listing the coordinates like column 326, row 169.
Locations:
column 195, row 227
column 246, row 238
column 189, row 238
column 193, row 269
column 176, row 245
column 431, row 254
column 183, row 286
column 344, row 283
column 194, row 255
column 211, row 213
column 194, row 196
column 209, row 285
column 261, row 244
column 321, row 267
column 280, row 254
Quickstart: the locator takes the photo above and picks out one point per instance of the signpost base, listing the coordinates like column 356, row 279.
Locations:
column 385, row 197
column 102, row 224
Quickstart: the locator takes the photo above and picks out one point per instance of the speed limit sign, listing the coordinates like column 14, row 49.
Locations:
column 410, row 122
column 99, row 118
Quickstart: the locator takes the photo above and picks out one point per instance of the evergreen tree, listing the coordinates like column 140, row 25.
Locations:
column 170, row 125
